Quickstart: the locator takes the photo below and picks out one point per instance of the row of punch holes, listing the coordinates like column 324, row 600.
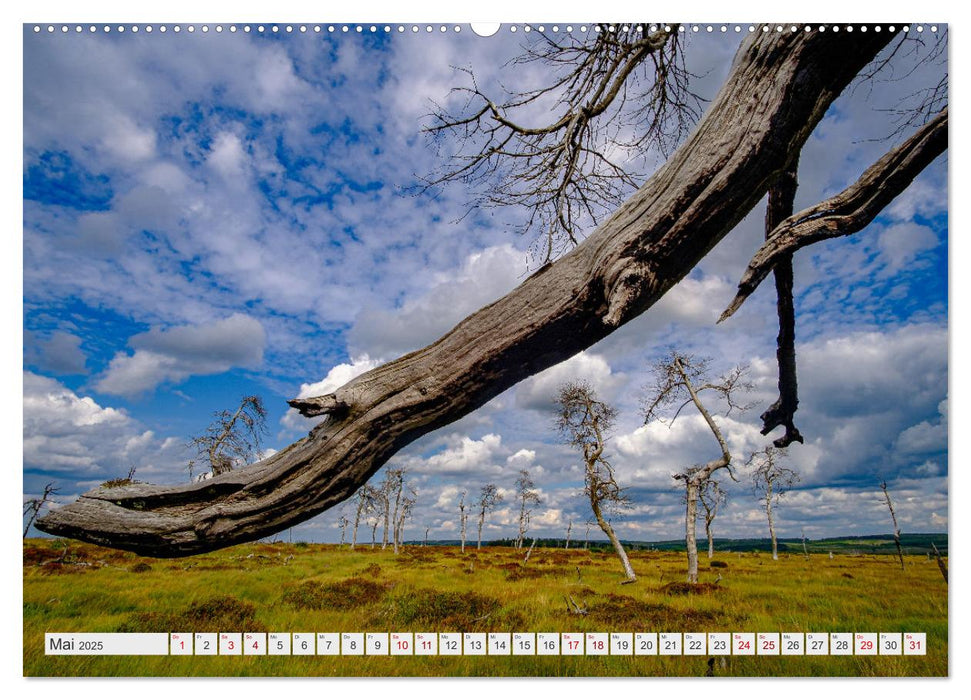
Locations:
column 428, row 28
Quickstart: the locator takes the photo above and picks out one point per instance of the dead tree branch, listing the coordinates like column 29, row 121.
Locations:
column 849, row 211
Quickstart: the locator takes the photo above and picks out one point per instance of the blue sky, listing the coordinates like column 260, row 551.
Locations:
column 208, row 216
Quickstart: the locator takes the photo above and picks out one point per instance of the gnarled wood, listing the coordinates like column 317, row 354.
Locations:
column 779, row 88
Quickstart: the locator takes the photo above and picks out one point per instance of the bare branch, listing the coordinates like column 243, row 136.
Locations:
column 850, row 210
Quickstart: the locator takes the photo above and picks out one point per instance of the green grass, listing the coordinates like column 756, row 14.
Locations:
column 323, row 588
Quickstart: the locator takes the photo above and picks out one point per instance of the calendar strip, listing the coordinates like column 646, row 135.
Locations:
column 488, row 644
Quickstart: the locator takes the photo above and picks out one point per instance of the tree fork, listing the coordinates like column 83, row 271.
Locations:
column 779, row 88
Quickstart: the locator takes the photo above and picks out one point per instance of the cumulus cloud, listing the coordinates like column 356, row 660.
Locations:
column 483, row 277
column 174, row 354
column 71, row 437
column 539, row 392
column 901, row 243
column 60, row 352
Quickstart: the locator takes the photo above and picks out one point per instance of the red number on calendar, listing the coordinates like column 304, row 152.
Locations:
column 914, row 645
column 573, row 644
column 768, row 645
column 231, row 646
column 866, row 645
column 744, row 645
column 403, row 644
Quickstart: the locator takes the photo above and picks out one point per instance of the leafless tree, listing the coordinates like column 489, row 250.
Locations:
column 367, row 501
column 893, row 518
column 569, row 529
column 232, row 439
column 712, row 497
column 463, row 518
column 585, row 422
column 777, row 90
column 771, row 481
column 388, row 492
column 527, row 496
column 489, row 498
column 33, row 506
column 681, row 380
column 407, row 498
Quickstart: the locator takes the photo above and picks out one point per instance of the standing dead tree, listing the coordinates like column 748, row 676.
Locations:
column 584, row 422
column 489, row 498
column 778, row 89
column 232, row 439
column 893, row 518
column 33, row 506
column 940, row 562
column 771, row 481
column 712, row 497
column 388, row 492
column 367, row 500
column 569, row 529
column 463, row 518
column 680, row 380
column 407, row 503
column 527, row 496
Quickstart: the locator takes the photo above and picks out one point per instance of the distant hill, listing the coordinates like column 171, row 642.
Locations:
column 918, row 543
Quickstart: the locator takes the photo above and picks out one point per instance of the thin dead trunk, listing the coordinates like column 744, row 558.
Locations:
column 805, row 550
column 528, row 553
column 768, row 514
column 896, row 530
column 711, row 538
column 374, row 534
column 481, row 523
column 690, row 523
column 465, row 520
column 569, row 529
column 780, row 86
column 614, row 540
column 940, row 562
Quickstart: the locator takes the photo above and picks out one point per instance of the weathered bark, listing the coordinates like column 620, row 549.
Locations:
column 779, row 88
column 849, row 211
column 569, row 529
column 711, row 539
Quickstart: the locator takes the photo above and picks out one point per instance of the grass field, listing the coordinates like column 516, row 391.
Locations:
column 323, row 588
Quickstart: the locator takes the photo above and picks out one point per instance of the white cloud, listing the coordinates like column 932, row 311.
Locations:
column 901, row 243
column 338, row 376
column 483, row 277
column 67, row 435
column 539, row 391
column 176, row 353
